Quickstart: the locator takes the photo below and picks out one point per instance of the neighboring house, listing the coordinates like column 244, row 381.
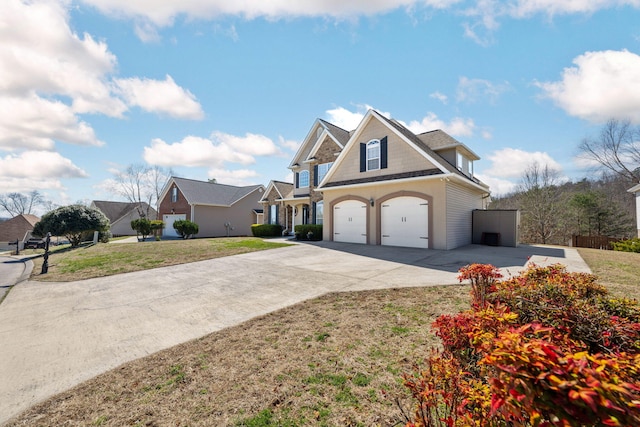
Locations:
column 121, row 214
column 636, row 191
column 17, row 227
column 381, row 184
column 218, row 209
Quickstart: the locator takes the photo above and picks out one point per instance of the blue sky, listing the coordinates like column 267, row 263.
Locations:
column 227, row 90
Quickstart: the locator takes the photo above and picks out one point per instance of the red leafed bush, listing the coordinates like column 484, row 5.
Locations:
column 546, row 348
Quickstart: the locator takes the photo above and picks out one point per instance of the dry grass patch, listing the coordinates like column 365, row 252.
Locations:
column 618, row 271
column 323, row 362
column 105, row 259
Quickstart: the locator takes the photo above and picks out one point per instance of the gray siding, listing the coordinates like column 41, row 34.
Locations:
column 461, row 202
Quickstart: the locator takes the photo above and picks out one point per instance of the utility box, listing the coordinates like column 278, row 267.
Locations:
column 496, row 227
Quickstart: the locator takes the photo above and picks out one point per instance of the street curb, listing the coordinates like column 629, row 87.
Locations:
column 26, row 273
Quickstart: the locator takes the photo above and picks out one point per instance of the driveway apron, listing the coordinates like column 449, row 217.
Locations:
column 55, row 335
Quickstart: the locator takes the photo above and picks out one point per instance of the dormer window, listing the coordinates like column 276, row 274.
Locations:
column 373, row 155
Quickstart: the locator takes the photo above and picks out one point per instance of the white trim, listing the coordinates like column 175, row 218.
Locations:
column 356, row 135
column 442, row 177
column 267, row 191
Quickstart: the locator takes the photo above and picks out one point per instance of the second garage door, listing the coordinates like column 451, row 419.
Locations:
column 350, row 222
column 405, row 222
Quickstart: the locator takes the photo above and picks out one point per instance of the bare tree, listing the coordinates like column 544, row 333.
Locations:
column 141, row 184
column 616, row 149
column 17, row 203
column 539, row 201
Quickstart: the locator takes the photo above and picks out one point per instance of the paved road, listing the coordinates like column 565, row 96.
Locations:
column 56, row 335
column 12, row 270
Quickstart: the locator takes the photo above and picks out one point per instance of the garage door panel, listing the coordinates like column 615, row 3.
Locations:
column 350, row 222
column 405, row 222
column 168, row 220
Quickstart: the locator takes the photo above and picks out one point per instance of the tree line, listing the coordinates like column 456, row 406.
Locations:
column 552, row 211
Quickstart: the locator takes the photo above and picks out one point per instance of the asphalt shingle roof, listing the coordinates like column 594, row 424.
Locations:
column 116, row 210
column 207, row 193
column 338, row 133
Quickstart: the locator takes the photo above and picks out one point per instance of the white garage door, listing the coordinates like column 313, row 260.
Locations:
column 405, row 222
column 350, row 222
column 169, row 231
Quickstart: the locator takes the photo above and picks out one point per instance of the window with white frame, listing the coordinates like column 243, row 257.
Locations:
column 373, row 154
column 322, row 170
column 174, row 194
column 273, row 214
column 319, row 212
column 303, row 179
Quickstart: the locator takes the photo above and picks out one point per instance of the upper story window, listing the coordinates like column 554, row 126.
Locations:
column 464, row 165
column 303, row 179
column 322, row 170
column 373, row 154
column 319, row 132
column 174, row 194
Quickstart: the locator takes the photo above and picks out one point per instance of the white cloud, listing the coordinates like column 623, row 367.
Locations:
column 512, row 162
column 214, row 152
column 164, row 12
column 38, row 165
column 440, row 97
column 344, row 118
column 289, row 144
column 238, row 177
column 498, row 186
column 524, row 8
column 49, row 75
column 458, row 126
column 34, row 123
column 251, row 144
column 602, row 85
column 160, row 96
column 349, row 120
column 476, row 90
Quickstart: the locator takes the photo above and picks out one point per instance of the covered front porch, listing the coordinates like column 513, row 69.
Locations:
column 297, row 210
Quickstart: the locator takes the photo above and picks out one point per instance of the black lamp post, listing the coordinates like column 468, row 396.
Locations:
column 45, row 264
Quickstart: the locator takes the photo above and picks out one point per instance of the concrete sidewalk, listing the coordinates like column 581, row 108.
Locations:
column 56, row 335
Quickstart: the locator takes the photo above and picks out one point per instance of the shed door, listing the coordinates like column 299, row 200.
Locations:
column 169, row 231
column 405, row 222
column 350, row 222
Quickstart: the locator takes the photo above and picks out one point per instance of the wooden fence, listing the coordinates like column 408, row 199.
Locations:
column 596, row 242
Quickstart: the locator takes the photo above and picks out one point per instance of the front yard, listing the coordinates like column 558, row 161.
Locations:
column 332, row 361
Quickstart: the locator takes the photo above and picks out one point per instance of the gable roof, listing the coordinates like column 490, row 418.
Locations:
column 438, row 140
column 413, row 140
column 635, row 189
column 337, row 134
column 284, row 189
column 117, row 210
column 16, row 227
column 208, row 193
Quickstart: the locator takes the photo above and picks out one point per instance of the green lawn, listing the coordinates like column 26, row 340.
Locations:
column 105, row 259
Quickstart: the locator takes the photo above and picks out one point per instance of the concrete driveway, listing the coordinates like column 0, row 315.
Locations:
column 56, row 335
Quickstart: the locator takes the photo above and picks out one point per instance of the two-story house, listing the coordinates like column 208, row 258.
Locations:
column 381, row 184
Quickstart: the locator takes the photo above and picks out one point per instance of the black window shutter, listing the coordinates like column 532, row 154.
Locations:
column 277, row 214
column 297, row 180
column 315, row 176
column 383, row 153
column 363, row 157
column 313, row 214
